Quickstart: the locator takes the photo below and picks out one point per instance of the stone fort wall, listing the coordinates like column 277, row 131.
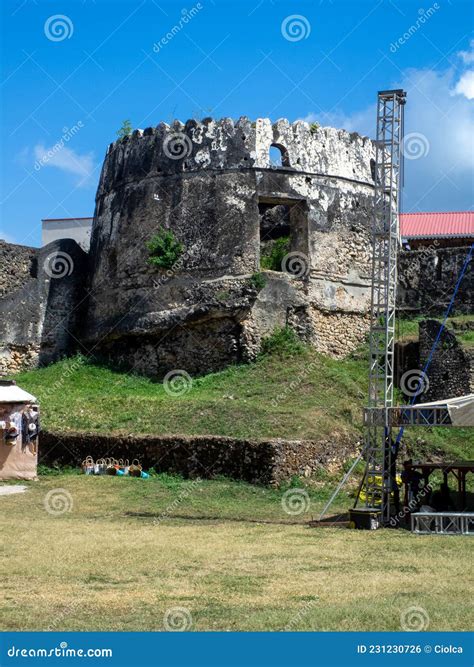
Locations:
column 42, row 302
column 209, row 182
column 212, row 183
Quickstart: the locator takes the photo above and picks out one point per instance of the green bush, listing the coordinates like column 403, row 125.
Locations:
column 313, row 127
column 257, row 281
column 164, row 249
column 283, row 342
column 272, row 255
column 125, row 130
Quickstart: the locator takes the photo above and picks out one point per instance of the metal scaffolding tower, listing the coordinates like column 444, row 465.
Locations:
column 385, row 242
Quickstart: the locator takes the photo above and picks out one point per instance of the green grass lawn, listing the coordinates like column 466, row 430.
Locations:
column 301, row 395
column 226, row 553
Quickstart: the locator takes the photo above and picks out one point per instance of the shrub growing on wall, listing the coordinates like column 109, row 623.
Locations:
column 272, row 255
column 125, row 130
column 164, row 249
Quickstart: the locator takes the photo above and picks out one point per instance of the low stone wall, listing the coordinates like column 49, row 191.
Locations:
column 262, row 462
column 427, row 278
column 449, row 373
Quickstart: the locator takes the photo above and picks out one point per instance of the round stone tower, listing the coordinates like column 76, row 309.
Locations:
column 272, row 222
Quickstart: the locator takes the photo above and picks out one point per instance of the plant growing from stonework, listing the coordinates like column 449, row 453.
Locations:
column 257, row 281
column 164, row 249
column 125, row 130
column 283, row 342
column 313, row 127
column 272, row 255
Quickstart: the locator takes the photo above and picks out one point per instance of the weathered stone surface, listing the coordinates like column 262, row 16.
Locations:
column 449, row 373
column 206, row 181
column 17, row 266
column 427, row 278
column 42, row 303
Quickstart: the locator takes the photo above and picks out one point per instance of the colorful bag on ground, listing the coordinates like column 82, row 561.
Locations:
column 135, row 469
column 88, row 466
column 100, row 467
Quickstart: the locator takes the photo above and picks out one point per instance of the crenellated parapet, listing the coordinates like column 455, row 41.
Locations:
column 227, row 145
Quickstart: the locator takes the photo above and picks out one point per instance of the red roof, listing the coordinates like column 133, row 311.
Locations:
column 430, row 225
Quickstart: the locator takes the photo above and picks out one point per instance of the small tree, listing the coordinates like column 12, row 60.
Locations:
column 164, row 249
column 125, row 130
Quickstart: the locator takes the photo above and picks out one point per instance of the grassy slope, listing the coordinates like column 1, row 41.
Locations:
column 318, row 395
column 304, row 395
column 129, row 550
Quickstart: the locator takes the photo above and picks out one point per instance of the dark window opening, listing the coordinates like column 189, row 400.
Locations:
column 372, row 169
column 279, row 156
column 284, row 237
column 274, row 235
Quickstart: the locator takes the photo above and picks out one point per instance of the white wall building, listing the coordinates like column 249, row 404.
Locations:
column 78, row 229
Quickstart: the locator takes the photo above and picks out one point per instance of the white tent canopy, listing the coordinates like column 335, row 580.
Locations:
column 460, row 409
column 11, row 393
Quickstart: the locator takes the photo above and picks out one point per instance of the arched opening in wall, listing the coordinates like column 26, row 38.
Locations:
column 284, row 236
column 279, row 156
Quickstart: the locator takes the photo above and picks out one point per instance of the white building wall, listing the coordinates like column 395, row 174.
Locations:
column 78, row 229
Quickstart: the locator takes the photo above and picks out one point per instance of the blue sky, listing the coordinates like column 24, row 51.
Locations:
column 77, row 77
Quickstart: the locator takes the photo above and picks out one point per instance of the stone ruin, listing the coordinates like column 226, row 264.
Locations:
column 213, row 184
column 231, row 193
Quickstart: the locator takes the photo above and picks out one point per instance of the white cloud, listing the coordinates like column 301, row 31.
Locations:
column 439, row 107
column 468, row 56
column 360, row 121
column 65, row 159
column 465, row 85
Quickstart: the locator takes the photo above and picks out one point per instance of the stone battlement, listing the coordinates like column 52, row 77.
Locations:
column 224, row 144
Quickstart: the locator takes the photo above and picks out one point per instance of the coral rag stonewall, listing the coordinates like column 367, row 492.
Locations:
column 213, row 184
